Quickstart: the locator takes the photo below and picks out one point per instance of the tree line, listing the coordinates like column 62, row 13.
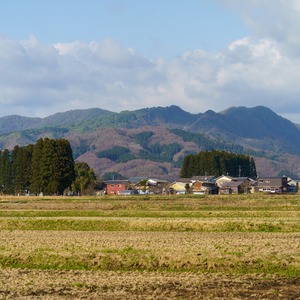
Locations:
column 46, row 167
column 218, row 163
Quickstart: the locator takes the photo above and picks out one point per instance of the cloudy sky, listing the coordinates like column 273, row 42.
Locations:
column 58, row 55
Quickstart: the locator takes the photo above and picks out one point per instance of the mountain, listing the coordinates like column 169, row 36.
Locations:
column 72, row 117
column 172, row 116
column 67, row 119
column 258, row 128
column 153, row 141
column 17, row 123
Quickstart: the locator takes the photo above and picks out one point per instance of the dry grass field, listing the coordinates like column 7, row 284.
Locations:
column 158, row 247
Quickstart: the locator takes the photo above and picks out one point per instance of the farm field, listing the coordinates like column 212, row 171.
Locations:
column 150, row 247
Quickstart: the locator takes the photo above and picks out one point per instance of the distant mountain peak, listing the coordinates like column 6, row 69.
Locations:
column 236, row 109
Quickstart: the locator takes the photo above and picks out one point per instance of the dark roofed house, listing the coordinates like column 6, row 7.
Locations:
column 237, row 185
column 157, row 186
column 272, row 184
column 231, row 187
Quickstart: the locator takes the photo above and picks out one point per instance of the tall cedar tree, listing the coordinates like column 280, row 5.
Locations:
column 5, row 174
column 26, row 165
column 57, row 166
column 218, row 163
column 65, row 165
column 36, row 177
column 16, row 169
column 21, row 168
column 46, row 167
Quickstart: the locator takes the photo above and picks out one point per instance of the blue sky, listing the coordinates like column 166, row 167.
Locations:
column 128, row 54
column 154, row 28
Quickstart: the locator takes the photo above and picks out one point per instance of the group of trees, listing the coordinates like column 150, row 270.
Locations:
column 218, row 163
column 47, row 167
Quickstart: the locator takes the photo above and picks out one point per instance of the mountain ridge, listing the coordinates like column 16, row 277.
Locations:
column 256, row 131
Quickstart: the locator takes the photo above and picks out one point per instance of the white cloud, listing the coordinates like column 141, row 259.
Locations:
column 68, row 76
column 37, row 79
column 276, row 20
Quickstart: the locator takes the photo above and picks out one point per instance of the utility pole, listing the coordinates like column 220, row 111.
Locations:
column 240, row 170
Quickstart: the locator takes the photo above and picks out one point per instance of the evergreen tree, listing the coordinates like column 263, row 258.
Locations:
column 184, row 173
column 6, row 178
column 36, row 185
column 85, row 178
column 16, row 169
column 21, row 168
column 64, row 165
column 43, row 159
column 47, row 166
column 26, row 166
column 190, row 166
column 49, row 170
column 217, row 163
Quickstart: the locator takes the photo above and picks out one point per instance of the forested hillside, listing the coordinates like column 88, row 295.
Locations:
column 154, row 141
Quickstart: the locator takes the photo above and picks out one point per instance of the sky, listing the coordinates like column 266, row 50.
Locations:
column 117, row 55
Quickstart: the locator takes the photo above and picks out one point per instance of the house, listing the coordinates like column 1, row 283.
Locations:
column 234, row 185
column 176, row 188
column 113, row 187
column 231, row 187
column 139, row 185
column 247, row 184
column 223, row 179
column 272, row 184
column 200, row 187
column 151, row 186
column 180, row 186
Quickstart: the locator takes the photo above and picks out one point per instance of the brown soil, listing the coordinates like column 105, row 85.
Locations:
column 41, row 284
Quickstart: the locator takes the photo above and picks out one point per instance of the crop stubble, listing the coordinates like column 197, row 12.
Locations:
column 167, row 256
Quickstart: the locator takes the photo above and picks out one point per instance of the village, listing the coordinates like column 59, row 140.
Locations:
column 201, row 185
